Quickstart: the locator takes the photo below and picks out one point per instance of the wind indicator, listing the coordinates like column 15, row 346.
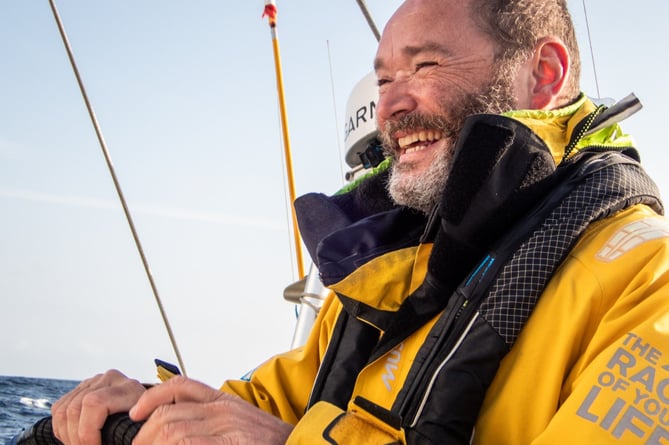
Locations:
column 271, row 13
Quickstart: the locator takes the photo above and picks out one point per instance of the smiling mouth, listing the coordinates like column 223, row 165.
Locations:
column 418, row 141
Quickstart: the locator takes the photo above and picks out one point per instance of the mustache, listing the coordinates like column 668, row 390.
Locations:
column 412, row 122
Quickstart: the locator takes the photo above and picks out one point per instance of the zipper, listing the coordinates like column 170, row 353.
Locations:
column 581, row 130
column 456, row 346
column 463, row 318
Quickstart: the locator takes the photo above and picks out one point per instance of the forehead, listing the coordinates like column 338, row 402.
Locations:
column 432, row 11
column 430, row 25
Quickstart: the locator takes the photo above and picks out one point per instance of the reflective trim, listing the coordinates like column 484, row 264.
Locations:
column 631, row 236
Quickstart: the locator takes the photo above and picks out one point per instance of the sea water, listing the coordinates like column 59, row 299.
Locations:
column 25, row 400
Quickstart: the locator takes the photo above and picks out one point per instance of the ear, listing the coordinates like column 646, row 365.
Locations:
column 549, row 70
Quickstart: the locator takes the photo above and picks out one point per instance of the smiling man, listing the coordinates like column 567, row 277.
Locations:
column 501, row 279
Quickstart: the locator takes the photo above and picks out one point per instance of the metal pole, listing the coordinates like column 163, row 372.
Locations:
column 370, row 21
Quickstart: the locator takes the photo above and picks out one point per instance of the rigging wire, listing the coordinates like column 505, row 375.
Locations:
column 117, row 185
column 370, row 21
column 592, row 52
column 334, row 106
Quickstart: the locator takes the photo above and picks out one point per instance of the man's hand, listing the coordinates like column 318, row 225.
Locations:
column 186, row 411
column 79, row 415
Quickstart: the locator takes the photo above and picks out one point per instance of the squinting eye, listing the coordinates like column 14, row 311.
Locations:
column 425, row 64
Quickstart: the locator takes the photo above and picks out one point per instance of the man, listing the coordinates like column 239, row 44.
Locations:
column 429, row 337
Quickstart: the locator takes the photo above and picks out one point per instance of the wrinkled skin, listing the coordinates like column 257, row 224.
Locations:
column 428, row 83
column 432, row 63
column 79, row 415
column 180, row 410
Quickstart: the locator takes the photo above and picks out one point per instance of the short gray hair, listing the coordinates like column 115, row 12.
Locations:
column 517, row 25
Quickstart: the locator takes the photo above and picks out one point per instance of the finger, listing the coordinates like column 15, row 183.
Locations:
column 101, row 380
column 79, row 416
column 175, row 390
column 97, row 405
column 227, row 420
column 171, row 424
column 65, row 412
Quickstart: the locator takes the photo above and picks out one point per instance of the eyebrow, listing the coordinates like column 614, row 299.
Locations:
column 412, row 51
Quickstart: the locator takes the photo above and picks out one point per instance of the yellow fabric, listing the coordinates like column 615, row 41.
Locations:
column 605, row 378
column 163, row 372
column 314, row 423
column 556, row 127
column 397, row 274
column 556, row 385
column 382, row 380
column 324, row 423
column 359, row 426
column 390, row 287
column 353, row 429
column 275, row 386
column 591, row 366
column 281, row 385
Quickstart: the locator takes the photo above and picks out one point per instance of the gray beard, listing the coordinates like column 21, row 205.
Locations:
column 422, row 192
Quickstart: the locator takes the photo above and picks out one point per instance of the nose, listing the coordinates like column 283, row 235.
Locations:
column 395, row 100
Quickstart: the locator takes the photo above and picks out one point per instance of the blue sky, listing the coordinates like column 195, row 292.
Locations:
column 186, row 97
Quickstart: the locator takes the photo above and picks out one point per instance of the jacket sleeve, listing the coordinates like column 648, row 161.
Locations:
column 281, row 385
column 618, row 390
column 592, row 364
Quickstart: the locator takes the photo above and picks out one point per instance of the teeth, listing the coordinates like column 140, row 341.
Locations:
column 414, row 149
column 420, row 136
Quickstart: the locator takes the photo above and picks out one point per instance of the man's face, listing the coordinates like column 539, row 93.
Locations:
column 435, row 68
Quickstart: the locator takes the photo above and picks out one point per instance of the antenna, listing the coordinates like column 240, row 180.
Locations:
column 592, row 52
column 271, row 12
column 334, row 106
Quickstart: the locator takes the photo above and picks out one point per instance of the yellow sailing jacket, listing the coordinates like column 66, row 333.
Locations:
column 590, row 365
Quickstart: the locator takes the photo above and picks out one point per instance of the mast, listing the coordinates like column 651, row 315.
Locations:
column 271, row 12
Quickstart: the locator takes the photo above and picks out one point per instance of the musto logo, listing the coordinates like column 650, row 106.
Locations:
column 632, row 395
